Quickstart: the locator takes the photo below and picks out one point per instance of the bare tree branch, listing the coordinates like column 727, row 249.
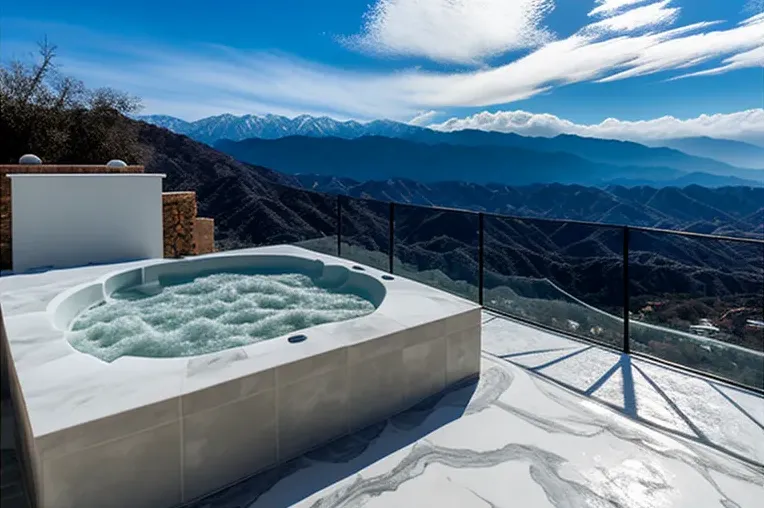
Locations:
column 48, row 53
column 70, row 93
column 102, row 98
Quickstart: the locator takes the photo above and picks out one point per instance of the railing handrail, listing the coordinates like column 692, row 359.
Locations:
column 691, row 234
column 604, row 225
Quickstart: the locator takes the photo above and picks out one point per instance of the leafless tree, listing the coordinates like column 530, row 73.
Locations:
column 40, row 83
column 57, row 117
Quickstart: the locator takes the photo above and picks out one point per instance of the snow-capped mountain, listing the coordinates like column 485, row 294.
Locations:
column 227, row 126
column 168, row 122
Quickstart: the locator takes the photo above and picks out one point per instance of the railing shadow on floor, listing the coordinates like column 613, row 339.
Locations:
column 737, row 406
column 344, row 457
column 633, row 371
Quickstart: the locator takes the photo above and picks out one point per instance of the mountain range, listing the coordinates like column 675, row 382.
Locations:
column 360, row 167
column 732, row 153
column 380, row 158
column 253, row 205
column 211, row 129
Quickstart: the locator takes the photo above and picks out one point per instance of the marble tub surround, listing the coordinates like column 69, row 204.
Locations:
column 511, row 439
column 158, row 432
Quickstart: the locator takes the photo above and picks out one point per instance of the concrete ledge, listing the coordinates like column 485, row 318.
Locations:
column 5, row 194
column 184, row 233
column 61, row 220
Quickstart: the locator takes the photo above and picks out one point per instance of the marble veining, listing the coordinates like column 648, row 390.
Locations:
column 512, row 439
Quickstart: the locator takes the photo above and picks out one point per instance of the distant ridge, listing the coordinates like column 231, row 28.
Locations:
column 618, row 153
column 737, row 153
column 378, row 158
column 697, row 178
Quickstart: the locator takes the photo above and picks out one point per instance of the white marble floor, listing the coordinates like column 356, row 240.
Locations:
column 517, row 439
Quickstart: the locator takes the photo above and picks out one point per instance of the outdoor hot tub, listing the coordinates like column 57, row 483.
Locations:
column 195, row 307
column 154, row 382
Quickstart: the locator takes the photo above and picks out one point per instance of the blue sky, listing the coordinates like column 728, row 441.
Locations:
column 520, row 65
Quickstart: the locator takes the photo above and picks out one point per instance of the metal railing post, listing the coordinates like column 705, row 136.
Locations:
column 626, row 340
column 481, row 254
column 391, row 246
column 339, row 226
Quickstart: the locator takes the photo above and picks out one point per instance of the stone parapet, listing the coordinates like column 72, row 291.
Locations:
column 204, row 235
column 179, row 210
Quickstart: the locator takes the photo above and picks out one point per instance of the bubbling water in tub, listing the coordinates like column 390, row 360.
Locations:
column 208, row 314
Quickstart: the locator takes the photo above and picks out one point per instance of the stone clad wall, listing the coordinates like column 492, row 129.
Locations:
column 185, row 234
column 179, row 218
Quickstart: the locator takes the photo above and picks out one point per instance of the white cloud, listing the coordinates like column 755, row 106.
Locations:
column 752, row 58
column 196, row 80
column 424, row 118
column 696, row 48
column 193, row 83
column 743, row 126
column 655, row 14
column 582, row 58
column 756, row 18
column 460, row 31
column 610, row 6
column 754, row 7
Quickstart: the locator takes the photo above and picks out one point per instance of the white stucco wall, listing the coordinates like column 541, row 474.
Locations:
column 70, row 220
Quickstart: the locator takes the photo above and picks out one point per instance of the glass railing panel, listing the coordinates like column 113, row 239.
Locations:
column 562, row 275
column 698, row 302
column 365, row 232
column 438, row 248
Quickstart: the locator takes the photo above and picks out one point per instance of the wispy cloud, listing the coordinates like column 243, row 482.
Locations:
column 424, row 118
column 606, row 7
column 743, row 125
column 192, row 83
column 693, row 49
column 655, row 14
column 752, row 58
column 625, row 39
column 460, row 31
column 754, row 7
